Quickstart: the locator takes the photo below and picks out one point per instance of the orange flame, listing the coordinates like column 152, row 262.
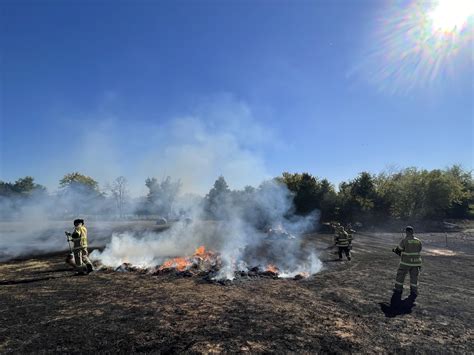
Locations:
column 201, row 251
column 179, row 264
column 184, row 263
column 272, row 268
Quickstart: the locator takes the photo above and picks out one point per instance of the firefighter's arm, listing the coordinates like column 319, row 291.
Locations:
column 399, row 248
column 73, row 236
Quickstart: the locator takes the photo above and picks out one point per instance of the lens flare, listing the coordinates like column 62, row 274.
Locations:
column 418, row 46
column 450, row 15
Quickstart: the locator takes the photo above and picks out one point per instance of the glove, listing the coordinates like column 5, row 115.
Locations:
column 397, row 251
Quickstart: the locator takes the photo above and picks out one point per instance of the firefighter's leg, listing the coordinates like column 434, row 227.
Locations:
column 414, row 272
column 86, row 260
column 348, row 253
column 339, row 251
column 78, row 260
column 401, row 273
column 78, row 257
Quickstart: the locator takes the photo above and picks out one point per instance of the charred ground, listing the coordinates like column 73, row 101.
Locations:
column 344, row 308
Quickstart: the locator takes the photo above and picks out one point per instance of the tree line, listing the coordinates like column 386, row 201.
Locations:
column 404, row 194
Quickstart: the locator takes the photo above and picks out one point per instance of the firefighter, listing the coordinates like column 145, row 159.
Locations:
column 409, row 251
column 349, row 229
column 79, row 238
column 343, row 241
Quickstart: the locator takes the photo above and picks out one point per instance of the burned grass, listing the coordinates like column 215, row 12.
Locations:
column 345, row 308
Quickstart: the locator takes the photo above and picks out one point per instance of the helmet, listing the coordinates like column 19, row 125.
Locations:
column 409, row 229
column 77, row 221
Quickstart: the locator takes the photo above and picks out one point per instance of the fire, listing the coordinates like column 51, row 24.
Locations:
column 272, row 268
column 179, row 264
column 201, row 251
column 204, row 255
column 200, row 256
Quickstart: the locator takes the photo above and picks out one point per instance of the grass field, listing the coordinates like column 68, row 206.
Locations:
column 46, row 308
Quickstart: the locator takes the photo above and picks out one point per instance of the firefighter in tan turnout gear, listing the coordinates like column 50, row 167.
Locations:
column 343, row 241
column 79, row 238
column 409, row 251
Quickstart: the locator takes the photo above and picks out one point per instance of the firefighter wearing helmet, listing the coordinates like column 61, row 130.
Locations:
column 409, row 251
column 343, row 241
column 79, row 238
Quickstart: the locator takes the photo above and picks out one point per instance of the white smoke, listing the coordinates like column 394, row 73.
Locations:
column 239, row 237
column 221, row 137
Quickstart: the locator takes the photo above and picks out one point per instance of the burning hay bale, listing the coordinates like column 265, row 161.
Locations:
column 201, row 262
column 207, row 264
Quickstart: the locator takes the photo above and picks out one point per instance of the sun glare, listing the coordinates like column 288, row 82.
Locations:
column 420, row 44
column 451, row 15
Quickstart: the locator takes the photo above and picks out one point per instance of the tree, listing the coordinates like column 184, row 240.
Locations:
column 217, row 199
column 76, row 179
column 161, row 196
column 14, row 197
column 80, row 194
column 305, row 188
column 357, row 197
column 413, row 193
column 463, row 185
column 311, row 194
column 328, row 203
column 119, row 192
column 22, row 187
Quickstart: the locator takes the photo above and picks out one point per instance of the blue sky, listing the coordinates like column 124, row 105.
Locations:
column 97, row 86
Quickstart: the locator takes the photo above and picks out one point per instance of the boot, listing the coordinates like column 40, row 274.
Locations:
column 413, row 295
column 396, row 298
column 90, row 268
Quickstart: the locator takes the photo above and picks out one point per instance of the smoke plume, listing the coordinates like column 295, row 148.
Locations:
column 221, row 137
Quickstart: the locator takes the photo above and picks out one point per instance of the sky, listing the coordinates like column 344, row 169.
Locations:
column 247, row 89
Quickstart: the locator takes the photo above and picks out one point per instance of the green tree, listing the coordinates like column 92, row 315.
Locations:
column 14, row 197
column 463, row 185
column 22, row 187
column 161, row 196
column 423, row 194
column 218, row 199
column 78, row 180
column 79, row 194
column 310, row 194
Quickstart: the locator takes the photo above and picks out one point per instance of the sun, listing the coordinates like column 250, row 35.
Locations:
column 450, row 15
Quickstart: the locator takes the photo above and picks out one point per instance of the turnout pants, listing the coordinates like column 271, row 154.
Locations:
column 81, row 258
column 402, row 272
column 346, row 251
